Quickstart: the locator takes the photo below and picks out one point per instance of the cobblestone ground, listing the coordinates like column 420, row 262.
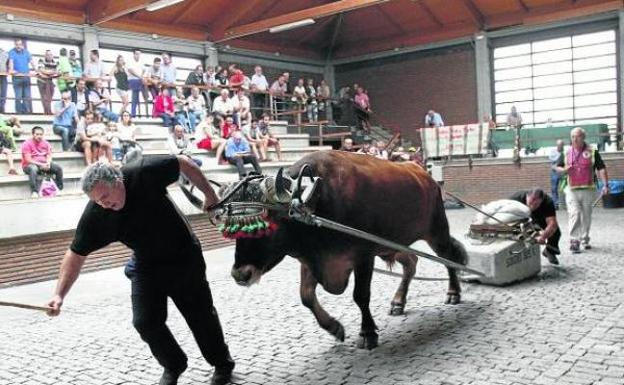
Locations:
column 564, row 327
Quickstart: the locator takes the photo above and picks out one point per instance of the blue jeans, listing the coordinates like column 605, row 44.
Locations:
column 4, row 82
column 554, row 187
column 108, row 114
column 136, row 85
column 23, row 102
column 187, row 120
column 67, row 134
column 33, row 170
column 168, row 121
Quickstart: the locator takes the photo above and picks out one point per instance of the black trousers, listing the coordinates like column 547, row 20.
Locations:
column 552, row 243
column 240, row 161
column 190, row 292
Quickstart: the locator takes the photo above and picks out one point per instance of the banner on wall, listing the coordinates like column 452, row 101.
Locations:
column 468, row 139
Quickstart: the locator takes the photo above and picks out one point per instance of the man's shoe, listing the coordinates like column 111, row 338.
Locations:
column 221, row 376
column 587, row 246
column 34, row 195
column 550, row 256
column 170, row 377
column 575, row 247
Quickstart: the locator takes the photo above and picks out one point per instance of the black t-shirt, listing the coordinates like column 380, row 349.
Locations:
column 546, row 208
column 149, row 223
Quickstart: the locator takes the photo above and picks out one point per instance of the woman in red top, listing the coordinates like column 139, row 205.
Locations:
column 163, row 108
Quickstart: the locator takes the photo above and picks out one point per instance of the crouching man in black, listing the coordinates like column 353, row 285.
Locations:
column 131, row 205
column 543, row 214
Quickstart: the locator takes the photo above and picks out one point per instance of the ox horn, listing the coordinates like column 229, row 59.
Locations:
column 282, row 186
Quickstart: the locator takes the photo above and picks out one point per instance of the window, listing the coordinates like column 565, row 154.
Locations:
column 566, row 80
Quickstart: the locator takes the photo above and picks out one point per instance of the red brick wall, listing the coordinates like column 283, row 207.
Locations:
column 492, row 179
column 403, row 88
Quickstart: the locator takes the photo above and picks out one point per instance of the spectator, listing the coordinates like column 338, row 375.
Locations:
column 544, row 215
column 579, row 163
column 80, row 97
column 94, row 69
column 259, row 87
column 347, row 145
column 7, row 146
column 64, row 71
column 114, row 138
column 433, row 119
column 37, row 159
column 163, row 108
column 363, row 108
column 227, row 128
column 46, row 72
column 222, row 106
column 182, row 111
column 312, row 106
column 152, row 78
column 75, row 64
column 416, row 155
column 11, row 127
column 514, row 119
column 180, row 144
column 197, row 106
column 555, row 177
column 91, row 139
column 99, row 97
column 242, row 107
column 195, row 78
column 381, row 150
column 65, row 116
column 238, row 153
column 323, row 92
column 299, row 95
column 268, row 139
column 287, row 82
column 20, row 65
column 490, row 125
column 169, row 72
column 278, row 91
column 222, row 77
column 212, row 139
column 120, row 74
column 213, row 90
column 127, row 134
column 135, row 70
column 237, row 78
column 4, row 59
column 252, row 135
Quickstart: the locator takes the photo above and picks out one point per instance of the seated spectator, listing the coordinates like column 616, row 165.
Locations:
column 212, row 138
column 222, row 106
column 227, row 128
column 65, row 118
column 252, row 135
column 347, row 145
column 152, row 77
column 433, row 119
column 267, row 136
column 99, row 97
column 381, row 150
column 80, row 97
column 196, row 106
column 7, row 146
column 126, row 134
column 10, row 127
column 242, row 107
column 238, row 153
column 37, row 159
column 163, row 108
column 399, row 155
column 113, row 136
column 182, row 115
column 179, row 143
column 91, row 139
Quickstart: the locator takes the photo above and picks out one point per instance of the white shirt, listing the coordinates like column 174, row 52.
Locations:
column 240, row 104
column 198, row 104
column 136, row 67
column 260, row 82
column 94, row 70
column 222, row 106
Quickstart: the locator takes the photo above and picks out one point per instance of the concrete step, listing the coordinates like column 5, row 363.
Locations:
column 151, row 127
column 148, row 142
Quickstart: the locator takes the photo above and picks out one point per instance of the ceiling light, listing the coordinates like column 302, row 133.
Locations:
column 289, row 26
column 155, row 6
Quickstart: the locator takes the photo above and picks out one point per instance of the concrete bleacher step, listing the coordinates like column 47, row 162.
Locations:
column 148, row 142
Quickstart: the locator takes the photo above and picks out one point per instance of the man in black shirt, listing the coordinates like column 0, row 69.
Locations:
column 543, row 214
column 131, row 205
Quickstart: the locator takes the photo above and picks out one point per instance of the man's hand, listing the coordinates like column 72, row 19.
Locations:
column 55, row 306
column 45, row 166
column 605, row 189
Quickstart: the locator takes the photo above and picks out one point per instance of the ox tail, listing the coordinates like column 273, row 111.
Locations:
column 458, row 251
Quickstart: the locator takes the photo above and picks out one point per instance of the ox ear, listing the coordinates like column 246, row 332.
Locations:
column 283, row 185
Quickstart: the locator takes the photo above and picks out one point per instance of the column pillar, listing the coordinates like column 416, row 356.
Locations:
column 91, row 41
column 211, row 55
column 483, row 70
column 330, row 79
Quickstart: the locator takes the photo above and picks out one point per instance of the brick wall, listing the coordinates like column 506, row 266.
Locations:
column 403, row 88
column 491, row 179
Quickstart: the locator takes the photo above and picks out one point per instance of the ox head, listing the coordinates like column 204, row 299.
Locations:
column 255, row 214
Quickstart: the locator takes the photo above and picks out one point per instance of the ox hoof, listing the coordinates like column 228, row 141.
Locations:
column 397, row 309
column 368, row 341
column 452, row 299
column 338, row 332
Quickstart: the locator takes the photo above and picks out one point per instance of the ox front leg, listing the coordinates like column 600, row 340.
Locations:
column 408, row 262
column 361, row 294
column 309, row 300
column 453, row 295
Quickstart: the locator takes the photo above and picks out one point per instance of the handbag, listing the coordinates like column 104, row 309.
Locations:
column 48, row 187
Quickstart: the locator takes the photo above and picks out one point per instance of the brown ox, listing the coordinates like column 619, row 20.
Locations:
column 397, row 201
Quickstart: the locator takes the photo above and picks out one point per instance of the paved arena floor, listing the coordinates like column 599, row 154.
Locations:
column 564, row 327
